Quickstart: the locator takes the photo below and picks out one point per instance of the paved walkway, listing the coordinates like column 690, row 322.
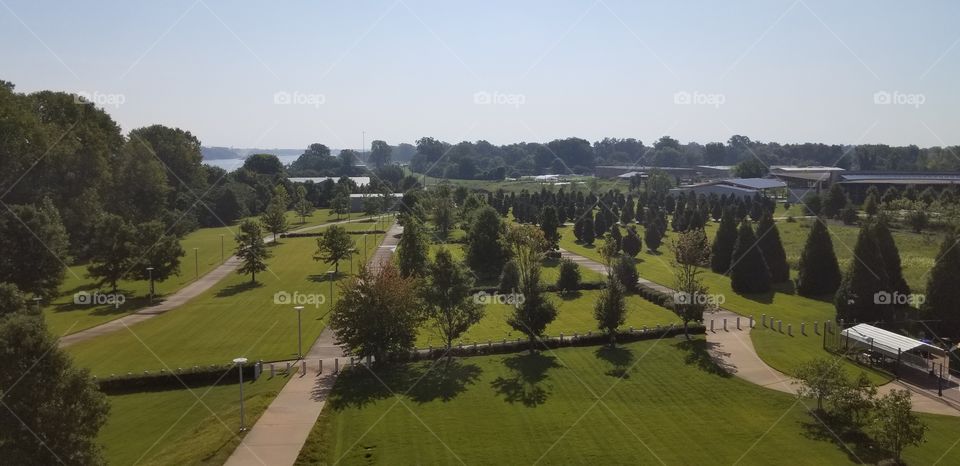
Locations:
column 282, row 430
column 733, row 349
column 178, row 298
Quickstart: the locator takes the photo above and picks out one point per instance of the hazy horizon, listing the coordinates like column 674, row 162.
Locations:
column 285, row 76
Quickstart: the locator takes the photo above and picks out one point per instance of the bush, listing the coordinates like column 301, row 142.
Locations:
column 569, row 278
column 509, row 277
column 156, row 381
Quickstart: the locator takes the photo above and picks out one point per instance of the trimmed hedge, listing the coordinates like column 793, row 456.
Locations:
column 157, row 381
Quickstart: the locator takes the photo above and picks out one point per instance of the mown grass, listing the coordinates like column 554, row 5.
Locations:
column 662, row 402
column 196, row 426
column 64, row 317
column 234, row 318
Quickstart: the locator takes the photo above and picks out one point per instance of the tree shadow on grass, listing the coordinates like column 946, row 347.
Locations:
column 763, row 298
column 421, row 382
column 852, row 441
column 620, row 357
column 323, row 277
column 527, row 384
column 707, row 357
column 570, row 295
column 237, row 289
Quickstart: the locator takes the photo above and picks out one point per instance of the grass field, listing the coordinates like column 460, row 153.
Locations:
column 64, row 317
column 672, row 406
column 234, row 318
column 180, row 427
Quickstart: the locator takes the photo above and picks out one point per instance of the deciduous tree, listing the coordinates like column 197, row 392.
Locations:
column 334, row 246
column 251, row 250
column 449, row 304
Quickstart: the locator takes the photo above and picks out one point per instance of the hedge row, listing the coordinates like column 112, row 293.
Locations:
column 552, row 287
column 315, row 234
column 164, row 380
column 655, row 296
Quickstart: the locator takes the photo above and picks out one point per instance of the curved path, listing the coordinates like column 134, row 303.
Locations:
column 178, row 298
column 733, row 349
column 282, row 430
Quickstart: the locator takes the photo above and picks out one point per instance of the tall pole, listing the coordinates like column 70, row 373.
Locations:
column 221, row 249
column 150, row 271
column 299, row 333
column 196, row 264
column 239, row 362
column 331, row 288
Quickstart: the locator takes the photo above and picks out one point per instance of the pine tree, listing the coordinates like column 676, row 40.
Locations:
column 653, row 238
column 627, row 214
column 251, row 250
column 549, row 223
column 772, row 248
column 819, row 272
column 631, row 243
column 870, row 205
column 749, row 272
column 943, row 294
column 588, row 229
column 486, row 249
column 864, row 282
column 600, row 226
column 617, row 236
column 723, row 242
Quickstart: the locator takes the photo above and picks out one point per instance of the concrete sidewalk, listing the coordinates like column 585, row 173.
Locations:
column 178, row 298
column 282, row 430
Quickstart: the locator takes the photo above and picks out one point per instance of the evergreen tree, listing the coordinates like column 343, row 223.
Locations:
column 943, row 294
column 569, row 277
column 251, row 250
column 870, row 205
column 588, row 229
column 627, row 214
column 865, row 280
column 578, row 230
column 749, row 272
column 631, row 243
column 412, row 250
column 486, row 249
column 549, row 223
column 610, row 309
column 617, row 236
column 653, row 238
column 835, row 201
column 819, row 272
column 625, row 269
column 891, row 257
column 722, row 249
column 772, row 248
column 600, row 226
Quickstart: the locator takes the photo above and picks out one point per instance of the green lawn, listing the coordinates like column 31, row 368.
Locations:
column 173, row 427
column 232, row 319
column 780, row 351
column 64, row 317
column 548, row 274
column 672, row 406
column 575, row 315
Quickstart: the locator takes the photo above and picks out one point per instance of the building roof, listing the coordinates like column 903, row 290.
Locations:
column 716, row 167
column 714, row 184
column 806, row 176
column 900, row 177
column 755, row 183
column 813, row 168
column 885, row 339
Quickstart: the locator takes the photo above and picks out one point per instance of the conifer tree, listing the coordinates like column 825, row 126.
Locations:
column 748, row 272
column 631, row 243
column 819, row 272
column 864, row 281
column 772, row 248
column 943, row 294
column 722, row 249
column 588, row 229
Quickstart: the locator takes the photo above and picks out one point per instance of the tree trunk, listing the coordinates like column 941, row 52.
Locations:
column 686, row 331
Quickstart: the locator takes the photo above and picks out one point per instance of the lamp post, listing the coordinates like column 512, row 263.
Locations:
column 239, row 362
column 196, row 265
column 299, row 309
column 36, row 301
column 221, row 249
column 331, row 275
column 150, row 273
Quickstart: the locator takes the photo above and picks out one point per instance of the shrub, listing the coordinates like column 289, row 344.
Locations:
column 569, row 278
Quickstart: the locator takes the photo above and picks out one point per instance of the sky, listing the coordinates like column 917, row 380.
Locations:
column 288, row 74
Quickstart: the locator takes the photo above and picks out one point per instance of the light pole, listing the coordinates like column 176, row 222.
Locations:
column 239, row 362
column 196, row 265
column 331, row 275
column 299, row 333
column 36, row 300
column 221, row 249
column 150, row 272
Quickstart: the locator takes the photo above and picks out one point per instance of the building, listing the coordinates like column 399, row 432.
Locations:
column 735, row 187
column 883, row 346
column 614, row 171
column 856, row 183
column 715, row 172
column 802, row 181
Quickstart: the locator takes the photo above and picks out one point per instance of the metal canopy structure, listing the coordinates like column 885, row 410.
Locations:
column 895, row 346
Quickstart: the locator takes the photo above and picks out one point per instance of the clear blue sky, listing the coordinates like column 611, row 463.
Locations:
column 788, row 71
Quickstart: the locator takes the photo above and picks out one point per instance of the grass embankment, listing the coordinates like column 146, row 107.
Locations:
column 521, row 409
column 174, row 427
column 64, row 317
column 234, row 318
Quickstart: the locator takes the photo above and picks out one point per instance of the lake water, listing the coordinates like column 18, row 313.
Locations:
column 233, row 164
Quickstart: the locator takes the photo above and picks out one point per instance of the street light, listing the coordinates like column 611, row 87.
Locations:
column 150, row 272
column 221, row 249
column 196, row 264
column 299, row 333
column 239, row 362
column 331, row 275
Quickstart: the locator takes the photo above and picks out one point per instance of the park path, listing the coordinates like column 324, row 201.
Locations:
column 732, row 348
column 280, row 433
column 178, row 298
